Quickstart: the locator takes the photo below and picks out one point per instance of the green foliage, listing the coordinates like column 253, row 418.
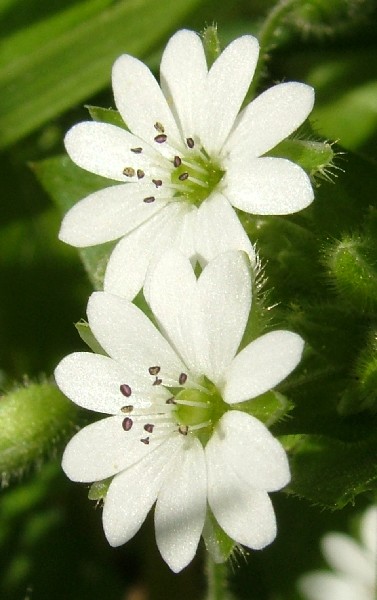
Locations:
column 35, row 420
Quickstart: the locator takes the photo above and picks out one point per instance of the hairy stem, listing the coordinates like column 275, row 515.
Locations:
column 217, row 576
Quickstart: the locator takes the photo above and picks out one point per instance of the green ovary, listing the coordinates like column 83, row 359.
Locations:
column 202, row 178
column 200, row 408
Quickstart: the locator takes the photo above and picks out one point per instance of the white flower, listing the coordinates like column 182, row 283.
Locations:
column 354, row 565
column 187, row 159
column 173, row 435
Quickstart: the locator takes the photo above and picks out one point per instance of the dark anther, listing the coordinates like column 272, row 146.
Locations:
column 159, row 127
column 171, row 400
column 136, row 150
column 149, row 427
column 190, row 142
column 125, row 389
column 182, row 378
column 129, row 171
column 177, row 161
column 127, row 409
column 183, row 176
column 157, row 182
column 127, row 423
column 161, row 138
column 149, row 200
column 183, row 429
column 145, row 441
column 157, row 381
column 140, row 174
column 154, row 370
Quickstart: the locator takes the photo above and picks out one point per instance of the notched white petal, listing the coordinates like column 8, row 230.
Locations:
column 262, row 365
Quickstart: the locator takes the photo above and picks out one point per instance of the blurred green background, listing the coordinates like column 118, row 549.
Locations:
column 55, row 57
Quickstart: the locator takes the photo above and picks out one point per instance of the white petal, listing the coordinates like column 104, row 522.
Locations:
column 128, row 264
column 132, row 493
column 181, row 507
column 345, row 555
column 129, row 337
column 227, row 83
column 245, row 514
column 141, row 102
column 268, row 186
column 262, row 364
column 270, row 118
column 171, row 291
column 92, row 381
column 218, row 230
column 327, row 586
column 105, row 149
column 368, row 530
column 183, row 73
column 224, row 289
column 249, row 449
column 103, row 449
column 108, row 214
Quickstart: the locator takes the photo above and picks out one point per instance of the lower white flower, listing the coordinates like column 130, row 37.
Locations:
column 354, row 565
column 173, row 437
column 189, row 156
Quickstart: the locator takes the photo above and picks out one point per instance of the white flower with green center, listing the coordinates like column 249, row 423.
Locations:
column 188, row 157
column 174, row 437
column 354, row 565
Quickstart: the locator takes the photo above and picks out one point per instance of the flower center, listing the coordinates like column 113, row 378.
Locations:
column 195, row 177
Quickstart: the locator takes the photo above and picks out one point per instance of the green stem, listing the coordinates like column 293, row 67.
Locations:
column 217, row 576
column 266, row 37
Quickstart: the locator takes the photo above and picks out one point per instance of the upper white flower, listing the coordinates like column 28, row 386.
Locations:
column 354, row 565
column 188, row 157
column 173, row 435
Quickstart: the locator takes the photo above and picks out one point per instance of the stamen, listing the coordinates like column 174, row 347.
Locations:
column 200, row 426
column 129, row 172
column 154, row 370
column 198, row 182
column 140, row 174
column 190, row 142
column 127, row 423
column 127, row 409
column 194, row 403
column 161, row 138
column 149, row 200
column 171, row 401
column 149, row 427
column 182, row 378
column 125, row 390
column 183, row 429
column 194, row 166
column 159, row 127
column 183, row 176
column 136, row 150
column 145, row 441
column 157, row 182
column 177, row 161
column 157, row 381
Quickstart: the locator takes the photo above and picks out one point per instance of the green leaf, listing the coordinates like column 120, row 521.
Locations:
column 66, row 184
column 34, row 420
column 63, row 60
column 331, row 472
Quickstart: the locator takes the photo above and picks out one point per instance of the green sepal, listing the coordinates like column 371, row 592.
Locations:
column 36, row 420
column 218, row 544
column 268, row 408
column 330, row 472
column 87, row 336
column 66, row 184
column 211, row 44
column 315, row 157
column 106, row 115
column 361, row 394
column 98, row 489
column 352, row 264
